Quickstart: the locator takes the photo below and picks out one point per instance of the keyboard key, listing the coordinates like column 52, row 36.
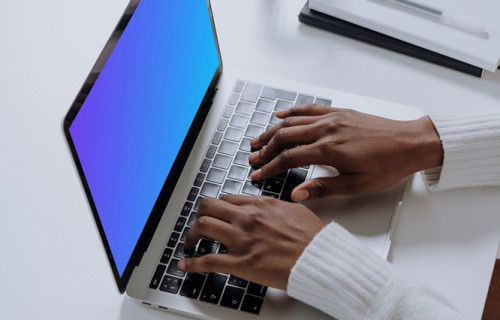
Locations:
column 228, row 112
column 184, row 234
column 237, row 173
column 179, row 225
column 228, row 148
column 304, row 100
column 167, row 254
column 273, row 94
column 233, row 134
column 238, row 87
column 222, row 162
column 233, row 99
column 216, row 175
column 188, row 253
column 211, row 151
column 244, row 108
column 217, row 137
column 213, row 288
column 252, row 188
column 193, row 193
column 197, row 203
column 182, row 253
column 192, row 285
column 253, row 131
column 256, row 289
column 222, row 124
column 222, row 249
column 265, row 105
column 232, row 187
column 259, row 118
column 155, row 282
column 245, row 145
column 170, row 284
column 205, row 165
column 295, row 177
column 239, row 121
column 268, row 194
column 241, row 158
column 324, row 102
column 274, row 120
column 252, row 304
column 251, row 92
column 198, row 181
column 172, row 241
column 283, row 105
column 173, row 270
column 273, row 185
column 186, row 209
column 192, row 218
column 206, row 247
column 282, row 175
column 210, row 190
column 235, row 281
column 232, row 297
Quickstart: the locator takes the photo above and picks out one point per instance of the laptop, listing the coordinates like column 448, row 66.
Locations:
column 158, row 125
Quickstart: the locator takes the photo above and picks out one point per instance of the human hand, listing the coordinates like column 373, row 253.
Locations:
column 264, row 237
column 369, row 152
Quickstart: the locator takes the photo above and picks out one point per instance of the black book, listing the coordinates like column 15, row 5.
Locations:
column 342, row 27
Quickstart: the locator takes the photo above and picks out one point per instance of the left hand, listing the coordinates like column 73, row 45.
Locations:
column 264, row 237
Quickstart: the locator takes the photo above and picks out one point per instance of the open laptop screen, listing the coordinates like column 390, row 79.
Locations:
column 130, row 128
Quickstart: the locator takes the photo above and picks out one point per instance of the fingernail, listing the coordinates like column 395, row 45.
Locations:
column 253, row 156
column 255, row 175
column 181, row 265
column 301, row 195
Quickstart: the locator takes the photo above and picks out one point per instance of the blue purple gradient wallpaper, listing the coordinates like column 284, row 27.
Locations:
column 129, row 130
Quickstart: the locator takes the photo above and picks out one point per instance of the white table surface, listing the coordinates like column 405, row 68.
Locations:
column 52, row 265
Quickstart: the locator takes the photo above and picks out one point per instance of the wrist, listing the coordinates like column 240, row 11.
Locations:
column 427, row 146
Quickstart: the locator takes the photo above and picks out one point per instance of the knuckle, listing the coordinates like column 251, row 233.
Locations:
column 320, row 189
column 202, row 223
column 279, row 137
column 287, row 122
column 284, row 157
column 292, row 112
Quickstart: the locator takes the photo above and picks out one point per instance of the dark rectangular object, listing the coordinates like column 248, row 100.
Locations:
column 342, row 27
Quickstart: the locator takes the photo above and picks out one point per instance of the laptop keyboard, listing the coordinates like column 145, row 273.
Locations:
column 225, row 169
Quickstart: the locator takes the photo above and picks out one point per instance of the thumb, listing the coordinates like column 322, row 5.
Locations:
column 343, row 184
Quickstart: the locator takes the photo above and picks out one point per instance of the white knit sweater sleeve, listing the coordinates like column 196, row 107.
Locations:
column 340, row 276
column 471, row 146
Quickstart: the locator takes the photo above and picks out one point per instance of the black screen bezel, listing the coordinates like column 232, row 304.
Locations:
column 177, row 167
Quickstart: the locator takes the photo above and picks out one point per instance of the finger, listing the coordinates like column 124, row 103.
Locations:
column 216, row 208
column 223, row 263
column 344, row 184
column 264, row 138
column 210, row 227
column 306, row 110
column 290, row 158
column 283, row 139
column 238, row 200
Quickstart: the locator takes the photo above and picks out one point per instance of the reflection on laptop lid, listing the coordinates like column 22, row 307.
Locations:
column 133, row 131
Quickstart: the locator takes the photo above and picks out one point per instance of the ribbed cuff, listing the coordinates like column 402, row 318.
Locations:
column 471, row 146
column 339, row 275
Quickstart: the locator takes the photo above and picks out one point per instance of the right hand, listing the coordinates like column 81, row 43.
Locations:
column 369, row 152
